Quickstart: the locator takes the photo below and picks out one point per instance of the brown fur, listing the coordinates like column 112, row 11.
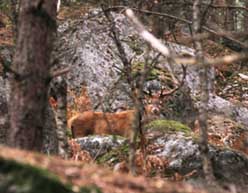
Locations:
column 90, row 122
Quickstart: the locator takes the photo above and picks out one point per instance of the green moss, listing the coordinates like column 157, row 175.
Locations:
column 22, row 178
column 27, row 179
column 115, row 155
column 90, row 189
column 138, row 67
column 68, row 133
column 168, row 126
column 135, row 46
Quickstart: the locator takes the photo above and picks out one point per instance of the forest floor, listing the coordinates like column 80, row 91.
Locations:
column 85, row 172
column 78, row 174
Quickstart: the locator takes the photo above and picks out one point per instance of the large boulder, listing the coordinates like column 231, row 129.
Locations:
column 181, row 153
column 86, row 46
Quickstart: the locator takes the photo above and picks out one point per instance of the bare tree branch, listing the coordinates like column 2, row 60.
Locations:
column 159, row 46
column 60, row 72
column 218, row 33
column 151, row 39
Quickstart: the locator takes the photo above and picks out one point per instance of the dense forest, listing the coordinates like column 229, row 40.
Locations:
column 123, row 96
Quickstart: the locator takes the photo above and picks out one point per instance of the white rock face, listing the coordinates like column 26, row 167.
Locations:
column 183, row 155
column 87, row 47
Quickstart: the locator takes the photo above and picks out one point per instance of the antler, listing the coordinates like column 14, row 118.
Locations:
column 180, row 84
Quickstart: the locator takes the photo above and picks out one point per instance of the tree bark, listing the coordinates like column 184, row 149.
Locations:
column 29, row 83
column 60, row 114
column 230, row 17
column 204, row 95
column 14, row 15
column 4, row 118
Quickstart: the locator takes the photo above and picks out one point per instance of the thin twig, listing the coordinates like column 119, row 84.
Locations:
column 159, row 46
column 212, row 31
column 60, row 72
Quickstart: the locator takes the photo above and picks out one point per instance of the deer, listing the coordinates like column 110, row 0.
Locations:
column 118, row 123
column 100, row 123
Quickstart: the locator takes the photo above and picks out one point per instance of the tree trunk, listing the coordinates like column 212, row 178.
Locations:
column 59, row 91
column 204, row 95
column 230, row 17
column 29, row 83
column 14, row 15
column 4, row 118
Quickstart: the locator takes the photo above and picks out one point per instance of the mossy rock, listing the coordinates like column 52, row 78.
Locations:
column 138, row 67
column 164, row 125
column 135, row 45
column 22, row 178
column 90, row 189
column 115, row 155
column 68, row 133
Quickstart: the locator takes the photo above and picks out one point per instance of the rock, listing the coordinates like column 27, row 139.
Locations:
column 4, row 93
column 30, row 172
column 224, row 132
column 236, row 112
column 16, row 177
column 180, row 106
column 6, row 53
column 85, row 45
column 90, row 52
column 100, row 145
column 4, row 118
column 182, row 153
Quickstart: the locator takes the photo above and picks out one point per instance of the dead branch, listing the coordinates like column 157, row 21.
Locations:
column 218, row 33
column 151, row 39
column 228, row 59
column 137, row 129
column 60, row 72
column 159, row 46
